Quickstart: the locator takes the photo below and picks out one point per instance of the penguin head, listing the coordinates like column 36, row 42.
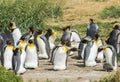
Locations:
column 32, row 29
column 68, row 28
column 39, row 32
column 31, row 44
column 100, row 48
column 50, row 32
column 116, row 23
column 16, row 51
column 12, row 26
column 22, row 38
column 91, row 20
column 30, row 41
column 9, row 42
column 116, row 27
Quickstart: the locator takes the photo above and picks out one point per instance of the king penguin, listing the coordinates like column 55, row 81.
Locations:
column 100, row 54
column 31, row 55
column 60, row 58
column 92, row 29
column 51, row 37
column 90, row 54
column 16, row 33
column 111, row 57
column 7, row 56
column 66, row 36
column 114, row 38
column 75, row 38
column 44, row 47
column 18, row 60
column 22, row 42
column 82, row 46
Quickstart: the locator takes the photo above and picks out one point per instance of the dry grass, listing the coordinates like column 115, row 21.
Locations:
column 79, row 11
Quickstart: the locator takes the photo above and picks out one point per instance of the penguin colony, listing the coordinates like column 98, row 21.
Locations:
column 20, row 52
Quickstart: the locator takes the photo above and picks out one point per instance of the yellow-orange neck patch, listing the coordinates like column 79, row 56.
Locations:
column 10, row 46
column 23, row 42
column 31, row 45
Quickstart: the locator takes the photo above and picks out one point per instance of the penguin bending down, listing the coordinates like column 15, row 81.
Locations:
column 51, row 37
column 60, row 58
column 90, row 53
column 18, row 60
column 111, row 57
column 31, row 55
column 82, row 46
column 16, row 33
column 43, row 46
column 7, row 56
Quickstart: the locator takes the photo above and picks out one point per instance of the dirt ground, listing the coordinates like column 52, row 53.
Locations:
column 75, row 72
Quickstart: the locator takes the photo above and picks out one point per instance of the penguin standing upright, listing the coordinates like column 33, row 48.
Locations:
column 54, row 52
column 82, row 46
column 60, row 58
column 90, row 53
column 7, row 56
column 16, row 33
column 31, row 55
column 111, row 57
column 51, row 37
column 18, row 60
column 114, row 38
column 44, row 47
column 100, row 55
column 75, row 38
column 65, row 39
column 92, row 29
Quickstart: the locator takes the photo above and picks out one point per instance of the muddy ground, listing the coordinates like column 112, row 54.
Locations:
column 75, row 72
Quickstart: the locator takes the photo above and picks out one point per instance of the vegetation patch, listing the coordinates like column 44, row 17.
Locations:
column 9, row 76
column 28, row 13
column 111, row 12
column 112, row 77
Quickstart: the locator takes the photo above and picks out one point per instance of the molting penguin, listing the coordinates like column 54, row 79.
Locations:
column 31, row 55
column 90, row 53
column 92, row 29
column 43, row 46
column 16, row 33
column 111, row 57
column 7, row 56
column 18, row 60
column 82, row 46
column 65, row 39
column 114, row 38
column 60, row 58
column 51, row 37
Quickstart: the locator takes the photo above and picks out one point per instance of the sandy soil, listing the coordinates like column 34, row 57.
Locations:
column 75, row 72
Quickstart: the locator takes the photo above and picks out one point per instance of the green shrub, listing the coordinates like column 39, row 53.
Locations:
column 9, row 76
column 110, row 12
column 28, row 13
column 112, row 77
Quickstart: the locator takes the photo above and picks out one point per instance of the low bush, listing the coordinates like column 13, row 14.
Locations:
column 110, row 12
column 9, row 76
